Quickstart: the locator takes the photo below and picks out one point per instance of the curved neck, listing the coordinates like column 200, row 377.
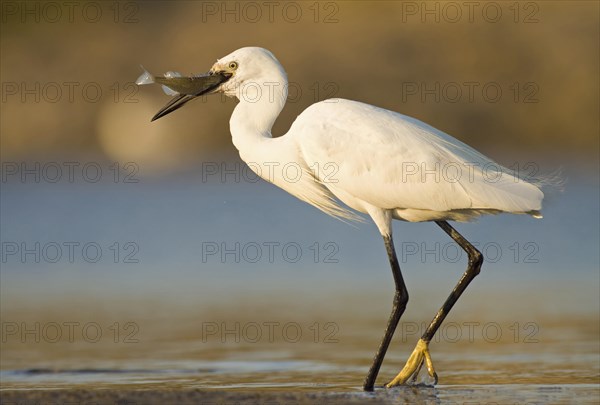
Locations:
column 260, row 103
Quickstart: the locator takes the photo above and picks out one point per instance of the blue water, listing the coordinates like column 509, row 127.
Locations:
column 180, row 227
column 187, row 242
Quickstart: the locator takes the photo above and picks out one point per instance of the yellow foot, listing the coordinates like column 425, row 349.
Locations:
column 419, row 356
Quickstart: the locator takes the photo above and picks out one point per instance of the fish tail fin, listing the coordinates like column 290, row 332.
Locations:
column 145, row 78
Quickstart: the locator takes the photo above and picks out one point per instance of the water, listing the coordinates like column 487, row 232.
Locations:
column 302, row 348
column 237, row 292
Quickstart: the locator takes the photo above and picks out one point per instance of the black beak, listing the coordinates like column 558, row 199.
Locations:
column 204, row 84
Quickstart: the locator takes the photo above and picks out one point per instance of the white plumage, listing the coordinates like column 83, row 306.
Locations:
column 374, row 160
column 393, row 162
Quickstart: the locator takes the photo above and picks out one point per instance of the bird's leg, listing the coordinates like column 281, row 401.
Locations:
column 421, row 352
column 399, row 304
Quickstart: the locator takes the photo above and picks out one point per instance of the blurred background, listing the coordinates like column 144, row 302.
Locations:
column 541, row 56
column 113, row 220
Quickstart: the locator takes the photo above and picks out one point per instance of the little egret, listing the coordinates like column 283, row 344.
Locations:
column 375, row 161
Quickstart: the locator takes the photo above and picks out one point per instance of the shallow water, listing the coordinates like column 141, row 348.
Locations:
column 230, row 329
column 299, row 348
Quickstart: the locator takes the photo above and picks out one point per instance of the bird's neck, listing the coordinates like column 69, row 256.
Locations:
column 252, row 120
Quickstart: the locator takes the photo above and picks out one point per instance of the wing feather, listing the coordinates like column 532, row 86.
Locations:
column 397, row 162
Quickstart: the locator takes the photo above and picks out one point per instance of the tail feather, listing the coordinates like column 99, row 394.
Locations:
column 553, row 182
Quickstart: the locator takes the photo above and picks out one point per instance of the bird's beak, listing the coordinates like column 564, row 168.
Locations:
column 204, row 84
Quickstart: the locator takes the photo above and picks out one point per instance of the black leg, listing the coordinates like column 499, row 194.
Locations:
column 399, row 305
column 475, row 261
column 421, row 353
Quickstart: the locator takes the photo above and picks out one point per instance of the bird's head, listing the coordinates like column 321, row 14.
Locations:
column 246, row 68
column 248, row 73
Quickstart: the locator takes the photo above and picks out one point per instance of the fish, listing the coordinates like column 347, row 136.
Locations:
column 174, row 83
column 182, row 88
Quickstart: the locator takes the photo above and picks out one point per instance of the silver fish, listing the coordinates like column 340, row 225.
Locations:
column 179, row 84
column 184, row 88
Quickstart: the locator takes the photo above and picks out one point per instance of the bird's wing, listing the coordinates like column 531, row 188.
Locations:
column 393, row 161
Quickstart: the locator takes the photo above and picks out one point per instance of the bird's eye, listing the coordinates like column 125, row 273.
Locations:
column 233, row 65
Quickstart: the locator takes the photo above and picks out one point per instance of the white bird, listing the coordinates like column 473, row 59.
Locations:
column 375, row 161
